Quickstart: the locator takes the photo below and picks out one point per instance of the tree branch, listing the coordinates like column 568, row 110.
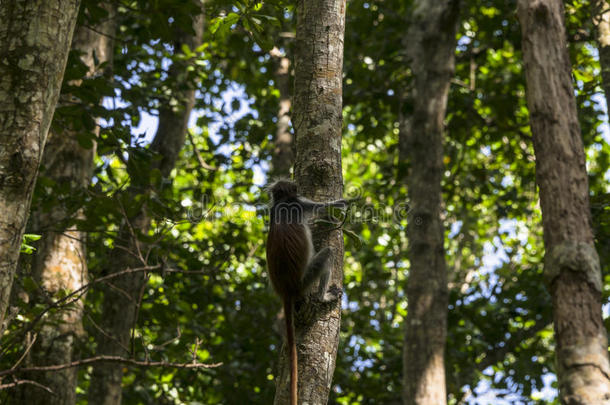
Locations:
column 21, row 382
column 74, row 295
column 200, row 160
column 107, row 359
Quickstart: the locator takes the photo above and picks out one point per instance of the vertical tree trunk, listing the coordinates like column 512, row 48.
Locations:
column 283, row 157
column 59, row 264
column 121, row 302
column 283, row 154
column 35, row 38
column 431, row 50
column 317, row 122
column 572, row 266
column 601, row 20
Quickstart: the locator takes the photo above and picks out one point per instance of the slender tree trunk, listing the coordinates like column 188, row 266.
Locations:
column 122, row 301
column 35, row 37
column 317, row 122
column 601, row 19
column 59, row 264
column 283, row 156
column 283, row 153
column 431, row 50
column 572, row 266
column 119, row 313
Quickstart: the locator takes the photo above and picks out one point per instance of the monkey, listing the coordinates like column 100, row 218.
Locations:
column 293, row 265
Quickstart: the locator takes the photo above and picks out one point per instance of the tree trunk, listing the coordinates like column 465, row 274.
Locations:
column 119, row 313
column 431, row 51
column 283, row 156
column 59, row 264
column 601, row 20
column 572, row 266
column 35, row 38
column 317, row 122
column 122, row 301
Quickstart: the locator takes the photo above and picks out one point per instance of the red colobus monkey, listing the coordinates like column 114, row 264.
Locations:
column 293, row 265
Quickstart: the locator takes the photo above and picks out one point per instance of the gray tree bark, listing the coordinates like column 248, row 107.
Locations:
column 121, row 302
column 317, row 120
column 59, row 263
column 431, row 51
column 572, row 266
column 35, row 37
column 601, row 20
column 283, row 156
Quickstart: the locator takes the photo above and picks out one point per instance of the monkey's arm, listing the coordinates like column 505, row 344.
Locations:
column 318, row 269
column 309, row 205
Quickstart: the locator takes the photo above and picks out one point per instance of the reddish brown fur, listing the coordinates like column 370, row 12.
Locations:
column 287, row 256
column 288, row 253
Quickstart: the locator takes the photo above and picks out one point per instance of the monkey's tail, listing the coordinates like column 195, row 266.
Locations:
column 292, row 347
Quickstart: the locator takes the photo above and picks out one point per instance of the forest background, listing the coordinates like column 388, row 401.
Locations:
column 154, row 171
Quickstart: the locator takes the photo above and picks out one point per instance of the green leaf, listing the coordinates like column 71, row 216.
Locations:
column 221, row 25
column 29, row 285
column 31, row 237
column 25, row 243
column 265, row 43
column 187, row 51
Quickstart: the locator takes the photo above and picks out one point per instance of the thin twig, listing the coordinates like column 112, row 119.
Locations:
column 195, row 349
column 202, row 162
column 128, row 251
column 106, row 334
column 120, row 291
column 170, row 341
column 25, row 353
column 137, row 313
column 336, row 228
column 134, row 237
column 21, row 382
column 112, row 37
column 108, row 359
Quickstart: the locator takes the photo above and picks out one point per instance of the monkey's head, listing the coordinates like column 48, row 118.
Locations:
column 282, row 190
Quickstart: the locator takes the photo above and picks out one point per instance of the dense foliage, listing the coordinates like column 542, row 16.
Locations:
column 209, row 220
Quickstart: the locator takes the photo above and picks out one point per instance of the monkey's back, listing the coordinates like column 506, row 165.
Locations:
column 288, row 252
